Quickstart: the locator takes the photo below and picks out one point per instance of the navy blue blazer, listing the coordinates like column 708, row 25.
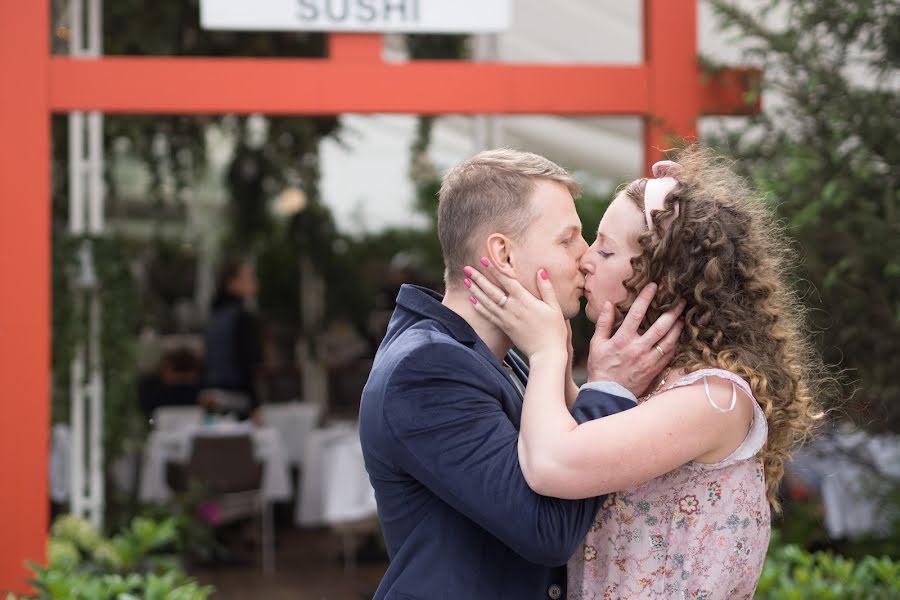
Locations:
column 439, row 421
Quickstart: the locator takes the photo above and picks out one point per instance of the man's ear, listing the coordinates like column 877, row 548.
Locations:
column 500, row 253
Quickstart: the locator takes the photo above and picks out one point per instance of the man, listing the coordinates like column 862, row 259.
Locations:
column 440, row 413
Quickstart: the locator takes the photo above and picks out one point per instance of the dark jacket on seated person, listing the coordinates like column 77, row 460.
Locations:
column 439, row 423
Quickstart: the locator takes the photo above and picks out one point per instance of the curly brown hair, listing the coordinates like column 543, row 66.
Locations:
column 726, row 256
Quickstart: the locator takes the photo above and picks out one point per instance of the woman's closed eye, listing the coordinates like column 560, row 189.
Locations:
column 604, row 254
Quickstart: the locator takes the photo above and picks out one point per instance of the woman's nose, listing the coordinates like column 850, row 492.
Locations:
column 585, row 264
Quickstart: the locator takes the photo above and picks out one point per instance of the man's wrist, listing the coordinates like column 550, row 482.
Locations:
column 610, row 387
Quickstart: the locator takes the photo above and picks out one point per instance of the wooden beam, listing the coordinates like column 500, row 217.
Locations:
column 731, row 92
column 670, row 54
column 25, row 305
column 305, row 86
column 318, row 87
column 355, row 47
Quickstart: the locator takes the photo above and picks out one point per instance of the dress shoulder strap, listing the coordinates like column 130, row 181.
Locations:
column 703, row 373
column 721, row 374
column 756, row 437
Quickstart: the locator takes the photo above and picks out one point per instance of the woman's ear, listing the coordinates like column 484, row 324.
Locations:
column 500, row 253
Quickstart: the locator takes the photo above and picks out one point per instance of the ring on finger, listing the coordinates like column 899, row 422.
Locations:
column 503, row 301
column 662, row 354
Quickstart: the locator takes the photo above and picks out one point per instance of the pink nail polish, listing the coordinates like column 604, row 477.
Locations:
column 473, row 300
column 467, row 271
column 544, row 275
column 467, row 282
column 485, row 262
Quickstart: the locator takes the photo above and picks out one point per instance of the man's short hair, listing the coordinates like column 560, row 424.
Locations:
column 490, row 192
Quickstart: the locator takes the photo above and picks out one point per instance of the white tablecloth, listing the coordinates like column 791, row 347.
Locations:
column 175, row 446
column 294, row 421
column 334, row 486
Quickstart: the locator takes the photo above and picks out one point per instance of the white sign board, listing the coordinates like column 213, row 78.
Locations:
column 407, row 16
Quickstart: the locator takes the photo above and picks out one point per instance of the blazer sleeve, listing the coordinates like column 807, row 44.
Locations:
column 452, row 435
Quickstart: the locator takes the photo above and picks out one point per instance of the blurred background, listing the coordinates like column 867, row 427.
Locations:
column 232, row 304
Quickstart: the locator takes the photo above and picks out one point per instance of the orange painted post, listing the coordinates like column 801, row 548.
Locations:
column 670, row 55
column 25, row 301
column 358, row 47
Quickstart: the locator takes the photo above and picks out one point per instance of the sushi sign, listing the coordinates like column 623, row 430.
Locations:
column 407, row 16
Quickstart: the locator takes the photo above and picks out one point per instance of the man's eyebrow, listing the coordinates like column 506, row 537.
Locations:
column 570, row 230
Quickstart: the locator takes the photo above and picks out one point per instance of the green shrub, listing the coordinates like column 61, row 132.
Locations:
column 791, row 573
column 134, row 564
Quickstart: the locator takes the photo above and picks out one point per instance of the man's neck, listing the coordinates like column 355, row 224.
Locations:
column 457, row 300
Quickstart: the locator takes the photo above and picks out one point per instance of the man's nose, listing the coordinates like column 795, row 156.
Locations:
column 582, row 248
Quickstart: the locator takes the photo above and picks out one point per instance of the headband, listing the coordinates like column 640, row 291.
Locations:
column 657, row 189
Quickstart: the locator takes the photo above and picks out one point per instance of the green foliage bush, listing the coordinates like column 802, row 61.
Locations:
column 134, row 564
column 791, row 573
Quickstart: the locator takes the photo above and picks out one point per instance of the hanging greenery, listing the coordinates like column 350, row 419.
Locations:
column 120, row 311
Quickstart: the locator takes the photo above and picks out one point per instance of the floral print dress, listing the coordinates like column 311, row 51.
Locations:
column 700, row 531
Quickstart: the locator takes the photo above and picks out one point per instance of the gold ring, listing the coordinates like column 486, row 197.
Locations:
column 660, row 350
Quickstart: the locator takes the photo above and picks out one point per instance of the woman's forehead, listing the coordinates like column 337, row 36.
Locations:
column 621, row 222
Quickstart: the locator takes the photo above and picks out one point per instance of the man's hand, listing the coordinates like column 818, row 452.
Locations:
column 628, row 358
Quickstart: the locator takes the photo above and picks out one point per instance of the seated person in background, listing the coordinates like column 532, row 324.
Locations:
column 176, row 382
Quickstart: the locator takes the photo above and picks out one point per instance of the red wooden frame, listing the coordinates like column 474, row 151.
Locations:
column 666, row 90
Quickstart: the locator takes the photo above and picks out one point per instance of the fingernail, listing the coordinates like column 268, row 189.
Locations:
column 473, row 300
column 485, row 262
column 544, row 275
column 467, row 271
column 467, row 282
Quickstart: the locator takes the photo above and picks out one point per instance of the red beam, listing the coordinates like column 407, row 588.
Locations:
column 25, row 307
column 239, row 85
column 670, row 53
column 358, row 47
column 316, row 86
column 730, row 92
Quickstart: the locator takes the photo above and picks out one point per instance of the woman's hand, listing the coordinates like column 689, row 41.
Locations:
column 628, row 357
column 535, row 325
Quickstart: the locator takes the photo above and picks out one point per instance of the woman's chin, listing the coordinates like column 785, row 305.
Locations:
column 590, row 312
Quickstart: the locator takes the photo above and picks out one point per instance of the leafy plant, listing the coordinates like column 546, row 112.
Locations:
column 83, row 565
column 791, row 573
column 119, row 308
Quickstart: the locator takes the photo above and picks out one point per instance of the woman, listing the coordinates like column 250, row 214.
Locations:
column 232, row 343
column 697, row 463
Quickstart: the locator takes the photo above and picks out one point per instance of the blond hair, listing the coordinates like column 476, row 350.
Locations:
column 490, row 192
